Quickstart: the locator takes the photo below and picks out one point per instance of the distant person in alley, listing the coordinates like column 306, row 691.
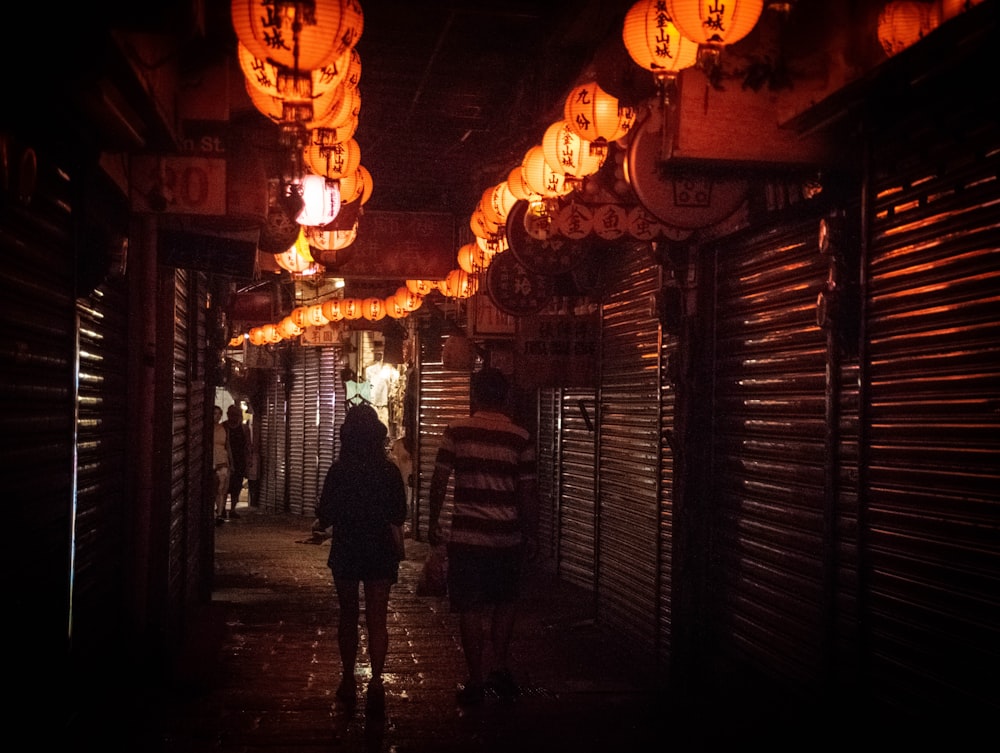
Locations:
column 493, row 527
column 363, row 498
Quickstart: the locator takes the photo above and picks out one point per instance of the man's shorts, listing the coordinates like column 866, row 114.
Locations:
column 481, row 576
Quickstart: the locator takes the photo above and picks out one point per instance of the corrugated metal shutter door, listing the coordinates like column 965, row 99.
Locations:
column 444, row 396
column 548, row 442
column 99, row 576
column 577, row 480
column 299, row 445
column 629, row 452
column 330, row 414
column 933, row 342
column 36, row 431
column 769, row 455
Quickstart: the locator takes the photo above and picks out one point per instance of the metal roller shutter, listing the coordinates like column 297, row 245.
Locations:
column 548, row 443
column 299, row 445
column 629, row 452
column 933, row 386
column 577, row 486
column 769, row 445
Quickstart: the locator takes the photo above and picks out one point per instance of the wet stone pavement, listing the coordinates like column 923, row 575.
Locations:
column 265, row 680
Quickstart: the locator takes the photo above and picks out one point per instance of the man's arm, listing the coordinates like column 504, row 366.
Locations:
column 438, row 489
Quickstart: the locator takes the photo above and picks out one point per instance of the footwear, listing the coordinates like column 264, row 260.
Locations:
column 375, row 698
column 347, row 693
column 501, row 682
column 471, row 695
column 220, row 520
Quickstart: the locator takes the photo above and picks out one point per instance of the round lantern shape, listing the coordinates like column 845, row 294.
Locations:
column 334, row 161
column 311, row 112
column 714, row 25
column 902, row 23
column 258, row 336
column 407, row 299
column 373, row 309
column 356, row 187
column 472, row 258
column 331, row 240
column 481, row 226
column 421, row 287
column 493, row 246
column 298, row 257
column 276, row 81
column 271, row 333
column 331, row 309
column 300, row 34
column 593, row 114
column 288, row 329
column 540, row 177
column 392, row 308
column 654, row 42
column 321, row 200
column 351, row 308
column 565, row 151
column 315, row 316
column 518, row 187
column 458, row 284
column 298, row 315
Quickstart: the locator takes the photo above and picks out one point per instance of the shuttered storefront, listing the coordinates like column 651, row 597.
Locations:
column 629, row 549
column 767, row 477
column 933, row 422
column 577, row 479
column 36, row 423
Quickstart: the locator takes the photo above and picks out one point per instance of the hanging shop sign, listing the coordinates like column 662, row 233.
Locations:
column 515, row 289
column 557, row 350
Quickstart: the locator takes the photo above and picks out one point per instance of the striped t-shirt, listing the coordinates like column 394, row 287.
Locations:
column 491, row 457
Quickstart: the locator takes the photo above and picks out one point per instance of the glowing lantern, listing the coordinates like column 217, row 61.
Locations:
column 351, row 308
column 335, row 160
column 458, row 284
column 493, row 246
column 298, row 258
column 421, row 287
column 392, row 308
column 314, row 316
column 271, row 333
column 331, row 240
column 496, row 202
column 373, row 309
column 258, row 336
column 593, row 114
column 518, row 187
column 540, row 177
column 713, row 25
column 321, row 201
column 288, row 328
column 331, row 309
column 275, row 81
column 236, row 341
column 482, row 227
column 905, row 22
column 654, row 42
column 303, row 35
column 407, row 299
column 298, row 315
column 566, row 152
column 472, row 259
column 356, row 187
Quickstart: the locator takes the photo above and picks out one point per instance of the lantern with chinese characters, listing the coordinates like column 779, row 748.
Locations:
column 288, row 328
column 496, row 202
column 331, row 309
column 458, row 284
column 334, row 161
column 654, row 42
column 472, row 259
column 275, row 81
column 258, row 336
column 297, row 258
column 407, row 299
column 303, row 35
column 519, row 188
column 565, row 151
column 392, row 308
column 593, row 114
column 713, row 25
column 321, row 200
column 373, row 309
column 356, row 187
column 351, row 308
column 422, row 287
column 298, row 315
column 540, row 177
column 495, row 245
column 314, row 315
column 481, row 226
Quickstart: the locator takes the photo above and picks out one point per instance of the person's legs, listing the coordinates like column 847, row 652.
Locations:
column 235, row 487
column 349, row 604
column 501, row 630
column 470, row 624
column 376, row 623
column 221, row 490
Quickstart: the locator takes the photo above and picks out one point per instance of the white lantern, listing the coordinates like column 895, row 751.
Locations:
column 321, row 200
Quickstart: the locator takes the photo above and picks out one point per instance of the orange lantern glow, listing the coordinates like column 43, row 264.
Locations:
column 481, row 226
column 276, row 81
column 472, row 259
column 330, row 240
column 351, row 308
column 458, row 284
column 288, row 329
column 654, row 42
column 333, row 161
column 373, row 309
column 314, row 316
column 298, row 258
column 331, row 309
column 566, row 152
column 518, row 187
column 713, row 25
column 497, row 202
column 902, row 23
column 540, row 177
column 271, row 333
column 593, row 114
column 356, row 187
column 258, row 336
column 303, row 35
column 298, row 315
column 421, row 287
column 407, row 299
column 392, row 308
column 493, row 246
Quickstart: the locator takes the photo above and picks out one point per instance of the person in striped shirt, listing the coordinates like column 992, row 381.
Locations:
column 493, row 526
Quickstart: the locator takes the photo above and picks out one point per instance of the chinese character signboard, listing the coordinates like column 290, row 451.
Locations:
column 557, row 350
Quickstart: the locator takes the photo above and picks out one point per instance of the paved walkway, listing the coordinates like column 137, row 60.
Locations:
column 271, row 686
